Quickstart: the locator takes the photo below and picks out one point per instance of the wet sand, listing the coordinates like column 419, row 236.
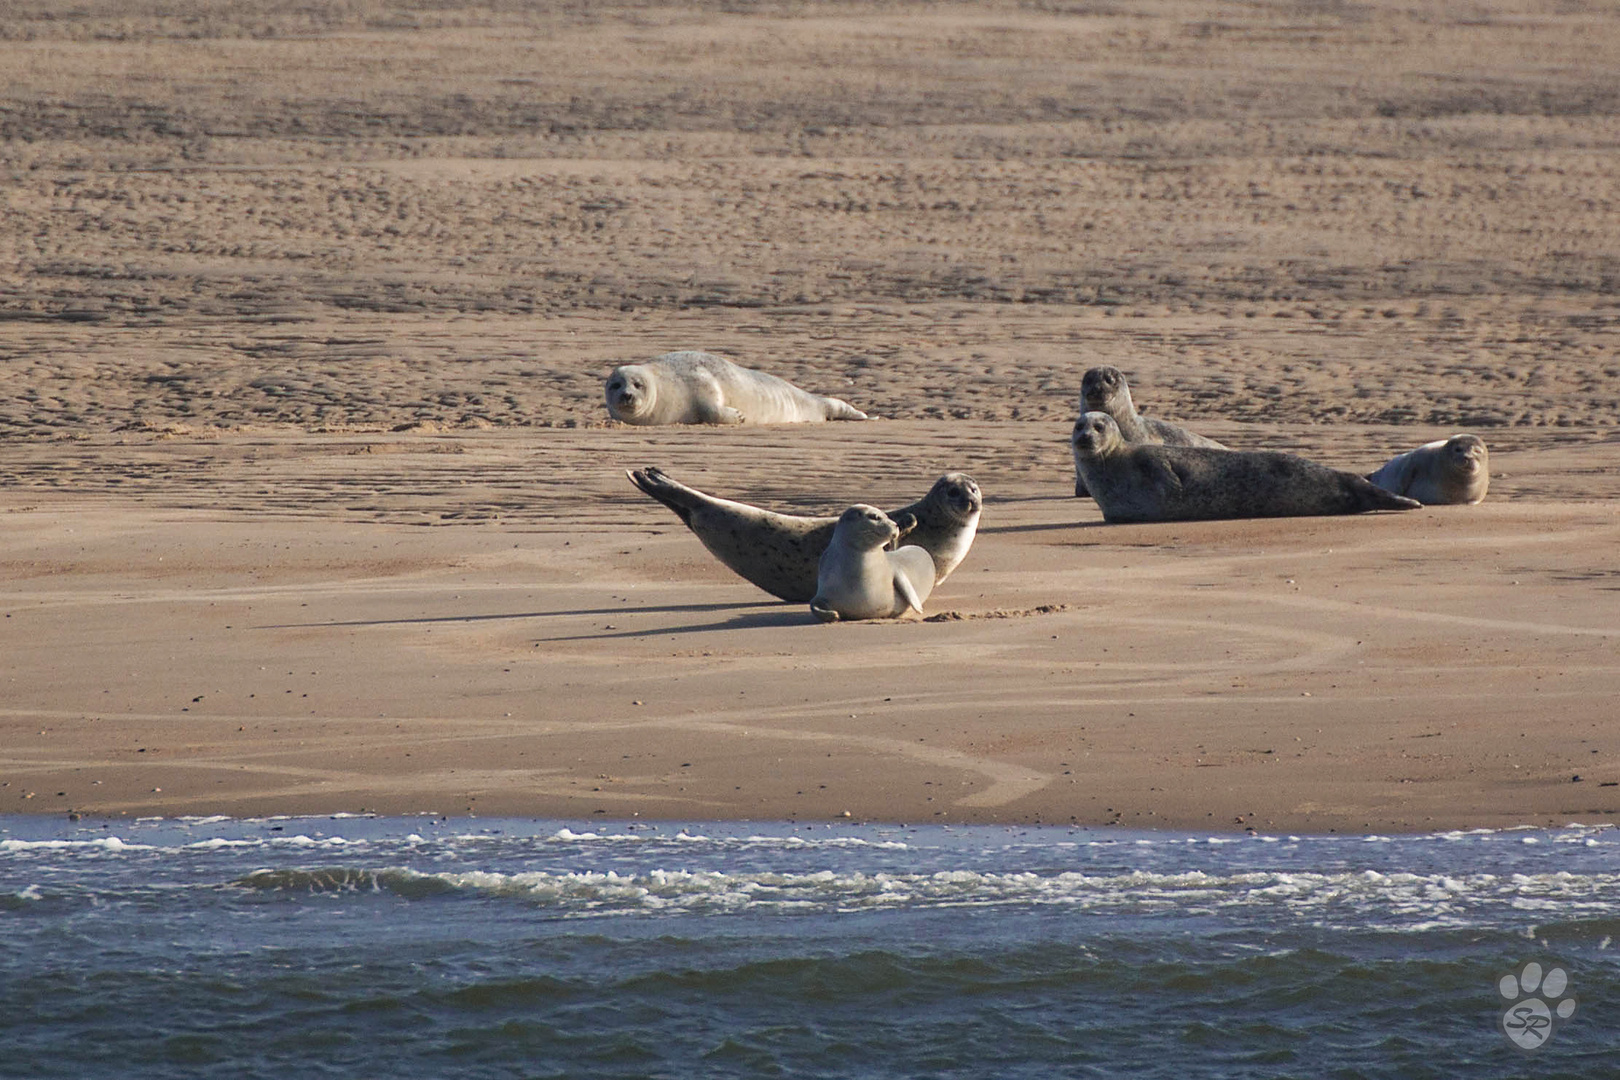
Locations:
column 308, row 502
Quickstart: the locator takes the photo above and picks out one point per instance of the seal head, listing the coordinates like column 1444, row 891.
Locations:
column 944, row 522
column 1103, row 388
column 631, row 393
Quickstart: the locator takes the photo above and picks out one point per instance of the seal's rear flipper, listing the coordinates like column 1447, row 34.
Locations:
column 678, row 497
column 1372, row 497
column 839, row 409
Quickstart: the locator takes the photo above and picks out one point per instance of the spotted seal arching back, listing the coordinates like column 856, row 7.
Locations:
column 781, row 552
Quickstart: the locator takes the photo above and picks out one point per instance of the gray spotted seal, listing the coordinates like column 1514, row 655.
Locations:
column 701, row 388
column 1104, row 389
column 780, row 552
column 1144, row 482
column 1454, row 471
column 857, row 579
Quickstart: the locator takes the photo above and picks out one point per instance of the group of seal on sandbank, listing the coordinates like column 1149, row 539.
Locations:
column 1140, row 469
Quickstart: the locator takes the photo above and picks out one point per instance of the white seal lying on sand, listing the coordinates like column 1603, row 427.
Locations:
column 781, row 552
column 1104, row 389
column 1188, row 483
column 858, row 579
column 1445, row 472
column 701, row 388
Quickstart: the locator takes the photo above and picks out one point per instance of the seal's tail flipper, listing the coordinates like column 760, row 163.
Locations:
column 677, row 496
column 1372, row 497
column 838, row 409
column 823, row 610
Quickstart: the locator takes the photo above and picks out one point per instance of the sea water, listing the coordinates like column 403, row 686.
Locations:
column 424, row 947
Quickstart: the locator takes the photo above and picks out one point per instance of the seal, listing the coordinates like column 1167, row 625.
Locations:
column 857, row 579
column 1446, row 472
column 781, row 552
column 1146, row 482
column 701, row 388
column 1104, row 389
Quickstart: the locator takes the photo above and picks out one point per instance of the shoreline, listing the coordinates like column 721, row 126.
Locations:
column 34, row 828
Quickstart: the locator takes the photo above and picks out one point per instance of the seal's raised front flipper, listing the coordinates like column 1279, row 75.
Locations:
column 907, row 524
column 1168, row 477
column 913, row 577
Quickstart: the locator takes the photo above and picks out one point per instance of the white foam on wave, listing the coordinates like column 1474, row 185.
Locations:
column 1392, row 900
column 219, row 836
column 117, row 845
column 302, row 841
column 567, row 835
column 219, row 843
column 100, row 843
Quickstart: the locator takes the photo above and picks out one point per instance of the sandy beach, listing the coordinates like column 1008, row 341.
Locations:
column 309, row 501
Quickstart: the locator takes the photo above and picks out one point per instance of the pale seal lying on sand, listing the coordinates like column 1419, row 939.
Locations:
column 701, row 388
column 1448, row 471
column 780, row 552
column 1188, row 483
column 858, row 579
column 1104, row 389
